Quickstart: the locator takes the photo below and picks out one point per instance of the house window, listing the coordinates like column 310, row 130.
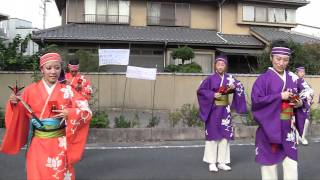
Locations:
column 168, row 14
column 260, row 14
column 248, row 13
column 290, row 16
column 280, row 15
column 264, row 14
column 205, row 61
column 107, row 11
column 271, row 15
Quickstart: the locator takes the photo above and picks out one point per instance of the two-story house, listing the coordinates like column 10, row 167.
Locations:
column 151, row 29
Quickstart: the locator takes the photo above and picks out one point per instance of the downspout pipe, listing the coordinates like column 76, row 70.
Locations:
column 220, row 4
column 220, row 14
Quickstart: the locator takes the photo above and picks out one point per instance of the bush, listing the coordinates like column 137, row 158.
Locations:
column 315, row 115
column 248, row 119
column 121, row 122
column 153, row 121
column 190, row 68
column 184, row 68
column 100, row 120
column 89, row 62
column 174, row 118
column 184, row 53
column 135, row 121
column 171, row 68
column 190, row 116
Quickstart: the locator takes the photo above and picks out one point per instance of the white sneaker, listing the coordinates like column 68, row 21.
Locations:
column 224, row 167
column 304, row 141
column 213, row 167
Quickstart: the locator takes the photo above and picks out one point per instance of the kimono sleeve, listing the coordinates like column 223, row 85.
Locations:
column 77, row 127
column 206, row 99
column 239, row 98
column 17, row 127
column 87, row 90
column 266, row 110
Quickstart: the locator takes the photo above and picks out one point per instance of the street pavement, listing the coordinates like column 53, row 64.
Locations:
column 166, row 160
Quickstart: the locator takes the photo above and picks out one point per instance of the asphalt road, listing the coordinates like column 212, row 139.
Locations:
column 165, row 160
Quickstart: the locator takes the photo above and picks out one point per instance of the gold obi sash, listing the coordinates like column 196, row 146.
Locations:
column 50, row 134
column 51, row 129
column 286, row 111
column 222, row 101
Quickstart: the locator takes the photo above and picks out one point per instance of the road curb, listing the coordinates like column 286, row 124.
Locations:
column 107, row 135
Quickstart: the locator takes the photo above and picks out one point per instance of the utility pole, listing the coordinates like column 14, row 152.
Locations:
column 44, row 7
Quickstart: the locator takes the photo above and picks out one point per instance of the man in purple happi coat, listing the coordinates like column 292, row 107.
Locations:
column 276, row 107
column 305, row 92
column 215, row 111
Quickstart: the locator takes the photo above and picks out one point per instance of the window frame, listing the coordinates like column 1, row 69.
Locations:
column 107, row 15
column 268, row 9
column 150, row 23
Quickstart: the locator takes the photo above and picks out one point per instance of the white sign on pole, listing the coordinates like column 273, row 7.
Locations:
column 141, row 73
column 114, row 56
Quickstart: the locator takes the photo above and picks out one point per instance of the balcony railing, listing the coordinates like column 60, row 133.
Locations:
column 160, row 21
column 106, row 19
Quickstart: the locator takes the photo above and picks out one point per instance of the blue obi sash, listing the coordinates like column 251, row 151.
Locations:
column 48, row 128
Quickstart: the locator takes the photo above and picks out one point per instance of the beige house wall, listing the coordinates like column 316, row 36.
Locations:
column 138, row 13
column 171, row 90
column 203, row 16
column 229, row 20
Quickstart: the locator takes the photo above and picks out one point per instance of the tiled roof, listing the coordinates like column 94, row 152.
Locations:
column 240, row 51
column 270, row 34
column 241, row 40
column 290, row 2
column 154, row 34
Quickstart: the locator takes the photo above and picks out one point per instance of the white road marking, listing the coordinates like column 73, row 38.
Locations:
column 153, row 147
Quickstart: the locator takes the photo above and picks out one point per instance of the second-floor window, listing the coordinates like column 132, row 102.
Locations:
column 168, row 14
column 107, row 11
column 268, row 14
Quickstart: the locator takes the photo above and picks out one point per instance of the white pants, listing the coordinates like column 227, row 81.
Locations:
column 290, row 170
column 217, row 151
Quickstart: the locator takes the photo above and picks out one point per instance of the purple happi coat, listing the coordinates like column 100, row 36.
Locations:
column 218, row 123
column 275, row 139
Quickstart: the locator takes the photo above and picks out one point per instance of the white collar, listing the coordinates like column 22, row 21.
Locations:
column 48, row 89
column 283, row 76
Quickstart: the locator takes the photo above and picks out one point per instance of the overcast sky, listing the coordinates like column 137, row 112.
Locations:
column 32, row 10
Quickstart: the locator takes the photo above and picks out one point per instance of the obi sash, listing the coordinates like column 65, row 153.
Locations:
column 286, row 111
column 50, row 128
column 222, row 101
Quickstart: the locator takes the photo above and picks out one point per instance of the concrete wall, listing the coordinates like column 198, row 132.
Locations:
column 171, row 90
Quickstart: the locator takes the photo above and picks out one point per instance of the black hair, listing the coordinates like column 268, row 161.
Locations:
column 62, row 78
column 74, row 61
column 298, row 65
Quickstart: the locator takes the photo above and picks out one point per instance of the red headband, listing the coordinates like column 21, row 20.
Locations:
column 73, row 67
column 49, row 57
